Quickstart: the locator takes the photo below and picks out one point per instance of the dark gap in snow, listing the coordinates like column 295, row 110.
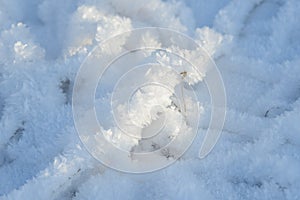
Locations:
column 5, row 158
column 17, row 134
column 274, row 112
column 167, row 153
column 69, row 189
column 65, row 87
column 244, row 181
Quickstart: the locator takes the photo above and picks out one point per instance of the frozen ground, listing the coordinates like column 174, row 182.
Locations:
column 256, row 45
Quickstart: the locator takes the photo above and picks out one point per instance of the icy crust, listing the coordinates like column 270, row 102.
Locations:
column 256, row 46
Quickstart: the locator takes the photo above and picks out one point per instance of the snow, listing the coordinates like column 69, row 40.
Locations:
column 256, row 46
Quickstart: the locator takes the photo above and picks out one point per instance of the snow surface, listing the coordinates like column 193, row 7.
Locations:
column 256, row 45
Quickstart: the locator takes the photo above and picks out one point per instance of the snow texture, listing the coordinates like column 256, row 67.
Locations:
column 255, row 44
